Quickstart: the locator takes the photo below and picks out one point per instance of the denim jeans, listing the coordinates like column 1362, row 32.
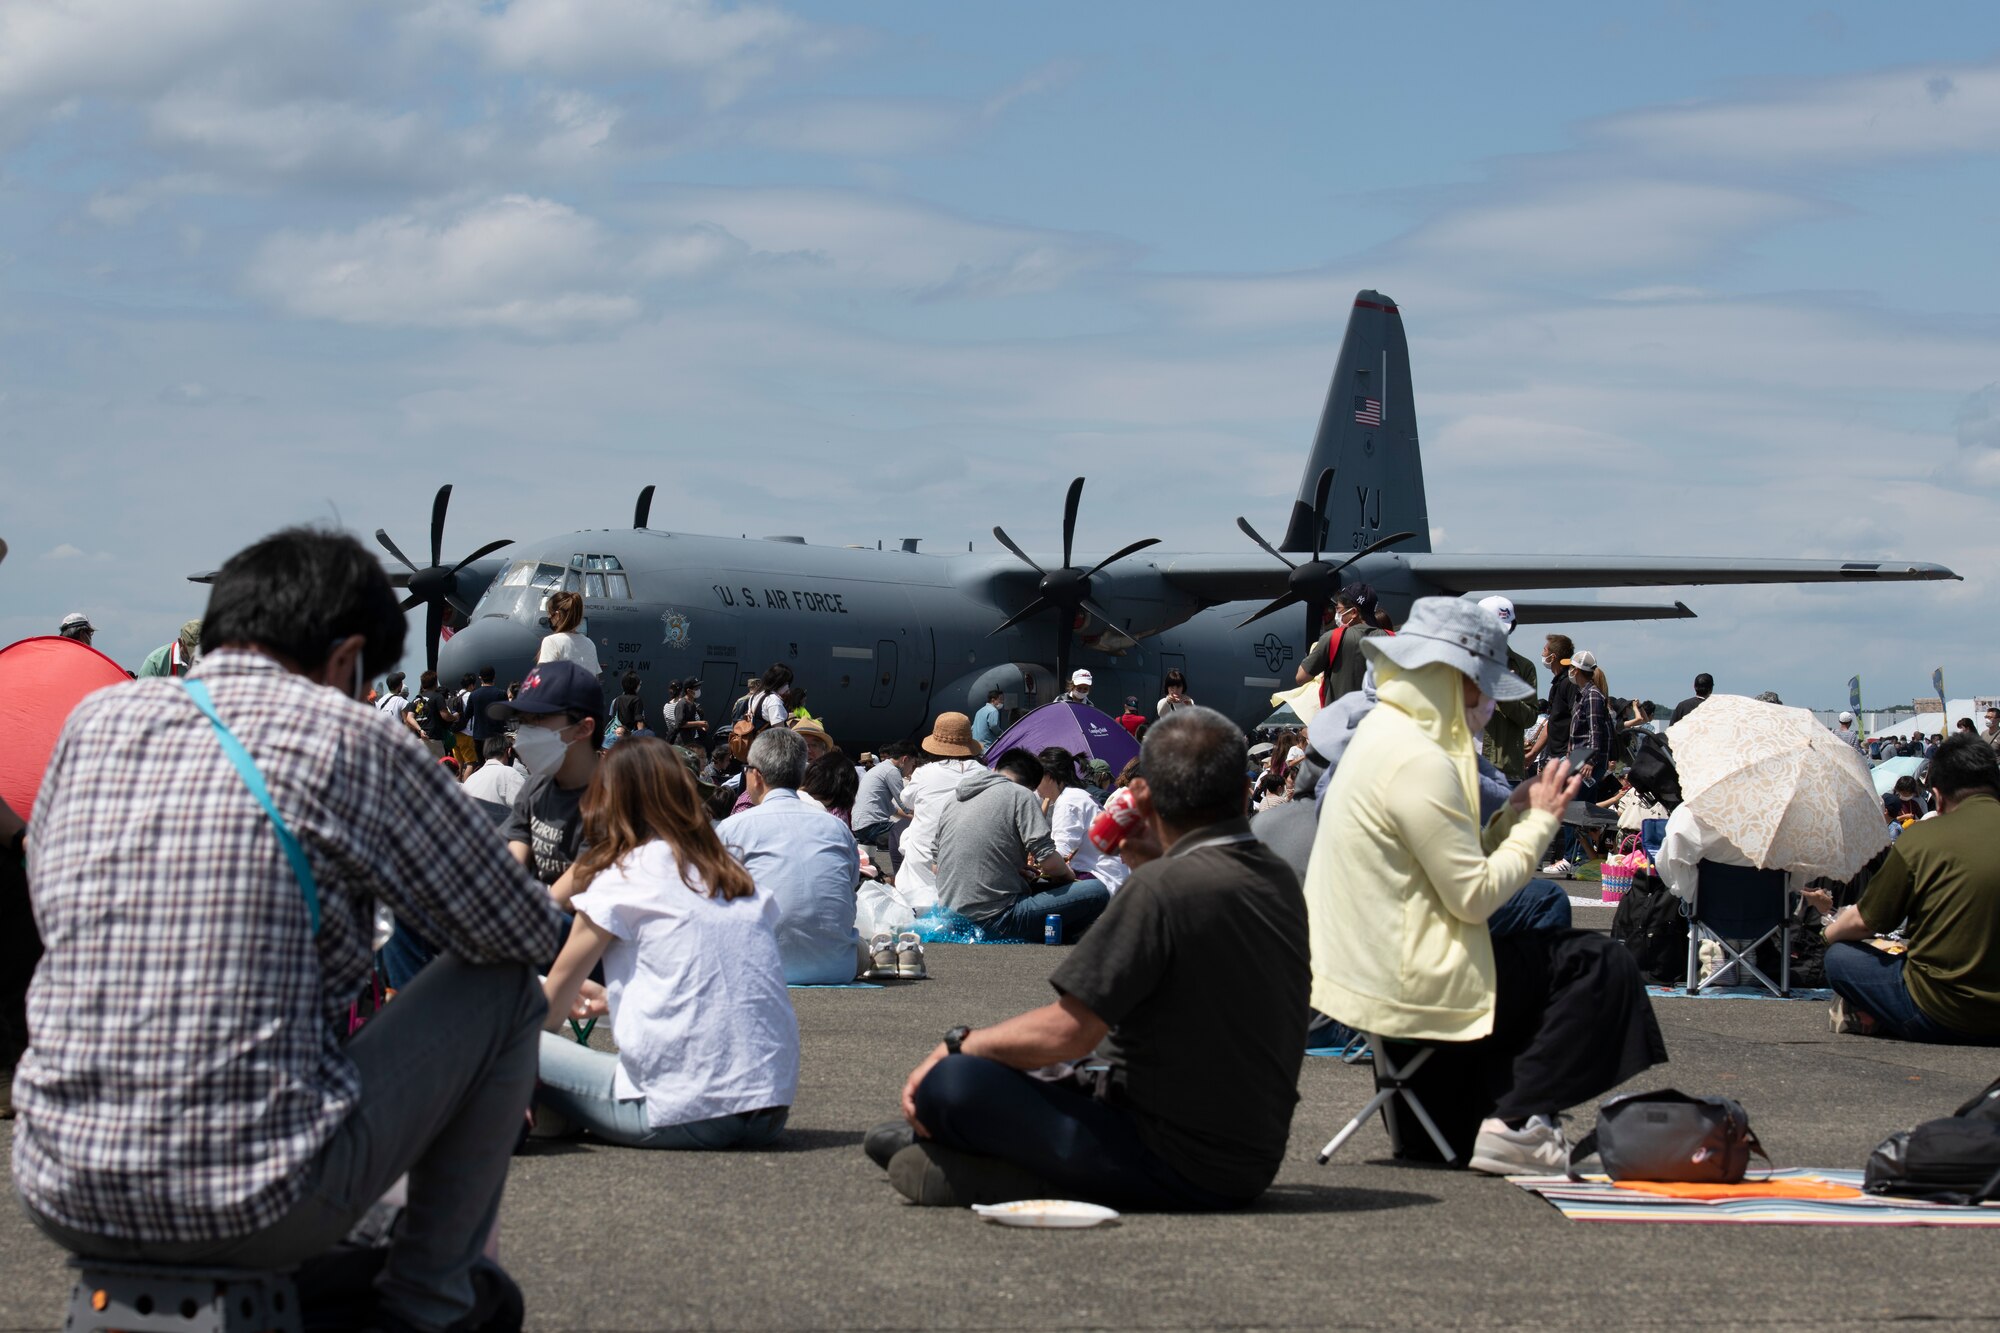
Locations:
column 576, row 1083
column 1084, row 1147
column 1872, row 981
column 446, row 1071
column 1078, row 903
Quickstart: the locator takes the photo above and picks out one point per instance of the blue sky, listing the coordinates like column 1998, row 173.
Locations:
column 1679, row 278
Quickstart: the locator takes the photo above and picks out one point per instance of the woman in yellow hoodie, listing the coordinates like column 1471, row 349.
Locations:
column 1403, row 878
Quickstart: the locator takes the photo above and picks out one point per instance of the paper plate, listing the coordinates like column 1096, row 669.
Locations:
column 1045, row 1213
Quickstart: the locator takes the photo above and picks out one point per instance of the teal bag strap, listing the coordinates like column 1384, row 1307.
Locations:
column 253, row 778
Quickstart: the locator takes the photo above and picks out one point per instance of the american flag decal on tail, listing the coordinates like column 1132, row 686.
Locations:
column 1368, row 411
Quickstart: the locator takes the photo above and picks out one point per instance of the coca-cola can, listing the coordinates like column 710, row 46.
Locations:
column 1118, row 818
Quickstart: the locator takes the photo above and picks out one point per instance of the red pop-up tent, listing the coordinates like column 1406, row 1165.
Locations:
column 41, row 680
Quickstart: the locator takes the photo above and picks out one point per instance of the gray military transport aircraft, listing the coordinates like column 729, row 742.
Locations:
column 885, row 639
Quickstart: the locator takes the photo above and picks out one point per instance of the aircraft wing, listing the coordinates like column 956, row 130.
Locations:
column 1577, row 613
column 1477, row 573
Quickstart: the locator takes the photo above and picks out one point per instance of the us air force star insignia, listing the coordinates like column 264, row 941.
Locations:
column 676, row 629
column 1275, row 651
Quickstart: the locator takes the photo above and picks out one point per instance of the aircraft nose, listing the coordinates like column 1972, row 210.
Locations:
column 491, row 641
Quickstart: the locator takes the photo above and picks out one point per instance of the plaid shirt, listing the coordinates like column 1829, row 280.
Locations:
column 186, row 1065
column 1590, row 724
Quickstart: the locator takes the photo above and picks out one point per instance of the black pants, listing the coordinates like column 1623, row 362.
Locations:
column 20, row 950
column 1571, row 1021
column 1080, row 1145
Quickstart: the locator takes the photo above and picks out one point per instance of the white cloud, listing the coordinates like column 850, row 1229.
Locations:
column 1602, row 226
column 1911, row 112
column 517, row 263
column 812, row 238
column 726, row 47
column 851, row 127
column 321, row 137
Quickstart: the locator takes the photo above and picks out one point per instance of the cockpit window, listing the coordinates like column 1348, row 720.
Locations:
column 530, row 574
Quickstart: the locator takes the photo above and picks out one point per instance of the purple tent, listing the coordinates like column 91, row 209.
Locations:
column 1074, row 727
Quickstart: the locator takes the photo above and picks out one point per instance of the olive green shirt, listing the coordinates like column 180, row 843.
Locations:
column 1943, row 877
column 1505, row 745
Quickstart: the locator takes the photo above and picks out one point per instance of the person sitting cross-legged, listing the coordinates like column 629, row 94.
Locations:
column 1184, row 1073
column 191, row 1094
column 997, row 862
column 802, row 858
column 1941, row 882
column 708, row 1046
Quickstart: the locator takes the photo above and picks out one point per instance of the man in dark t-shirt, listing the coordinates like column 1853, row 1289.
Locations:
column 1185, row 1074
column 477, row 723
column 1704, row 685
column 560, row 716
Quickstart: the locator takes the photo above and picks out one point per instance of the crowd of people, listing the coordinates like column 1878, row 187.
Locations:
column 539, row 854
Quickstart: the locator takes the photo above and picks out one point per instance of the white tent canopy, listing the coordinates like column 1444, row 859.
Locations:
column 1930, row 724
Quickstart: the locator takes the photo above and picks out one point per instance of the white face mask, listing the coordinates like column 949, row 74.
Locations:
column 1477, row 716
column 540, row 749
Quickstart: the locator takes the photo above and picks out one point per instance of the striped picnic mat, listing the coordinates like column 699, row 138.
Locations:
column 1596, row 1199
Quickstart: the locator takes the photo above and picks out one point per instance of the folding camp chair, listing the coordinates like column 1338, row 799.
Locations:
column 1740, row 903
column 1393, row 1082
column 137, row 1298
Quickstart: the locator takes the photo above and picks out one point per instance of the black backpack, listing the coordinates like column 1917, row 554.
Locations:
column 1953, row 1160
column 1650, row 924
column 1653, row 773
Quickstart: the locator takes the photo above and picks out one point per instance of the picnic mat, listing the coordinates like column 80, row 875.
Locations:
column 1798, row 1196
column 1821, row 993
column 942, row 927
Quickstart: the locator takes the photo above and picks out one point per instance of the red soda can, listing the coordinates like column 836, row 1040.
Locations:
column 1118, row 818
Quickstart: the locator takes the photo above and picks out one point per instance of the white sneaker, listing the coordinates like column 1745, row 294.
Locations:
column 881, row 955
column 1557, row 870
column 1535, row 1149
column 910, row 956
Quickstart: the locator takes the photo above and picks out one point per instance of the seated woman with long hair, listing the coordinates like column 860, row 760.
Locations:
column 708, row 1046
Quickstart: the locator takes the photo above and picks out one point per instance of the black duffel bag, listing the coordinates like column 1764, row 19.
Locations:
column 1668, row 1135
column 1953, row 1160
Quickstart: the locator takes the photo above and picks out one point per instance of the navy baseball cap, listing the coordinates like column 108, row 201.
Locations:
column 553, row 687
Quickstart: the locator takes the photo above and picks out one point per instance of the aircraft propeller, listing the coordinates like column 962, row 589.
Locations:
column 1314, row 581
column 1066, row 589
column 435, row 586
column 644, row 509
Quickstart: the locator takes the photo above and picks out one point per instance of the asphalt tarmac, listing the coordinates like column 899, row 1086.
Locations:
column 810, row 1236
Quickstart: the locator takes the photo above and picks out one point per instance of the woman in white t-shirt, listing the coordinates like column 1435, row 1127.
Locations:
column 1070, row 810
column 565, row 641
column 1176, row 697
column 708, row 1045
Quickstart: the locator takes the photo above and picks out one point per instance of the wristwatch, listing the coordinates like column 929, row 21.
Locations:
column 953, row 1038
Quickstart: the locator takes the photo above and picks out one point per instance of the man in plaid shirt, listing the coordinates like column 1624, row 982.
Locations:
column 189, row 1094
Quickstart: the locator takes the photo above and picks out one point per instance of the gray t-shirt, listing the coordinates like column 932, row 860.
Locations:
column 548, row 818
column 875, row 798
column 988, row 834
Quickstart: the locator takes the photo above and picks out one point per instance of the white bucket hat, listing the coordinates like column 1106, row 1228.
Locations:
column 1462, row 635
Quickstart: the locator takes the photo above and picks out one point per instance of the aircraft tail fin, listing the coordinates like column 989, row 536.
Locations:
column 1368, row 436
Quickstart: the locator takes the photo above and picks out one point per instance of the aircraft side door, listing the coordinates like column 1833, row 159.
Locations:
column 884, row 691
column 719, row 682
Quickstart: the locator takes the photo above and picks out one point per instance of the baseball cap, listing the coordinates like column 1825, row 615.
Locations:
column 1502, row 608
column 1081, row 677
column 1583, row 659
column 1132, row 702
column 553, row 687
column 1846, row 716
column 76, row 620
